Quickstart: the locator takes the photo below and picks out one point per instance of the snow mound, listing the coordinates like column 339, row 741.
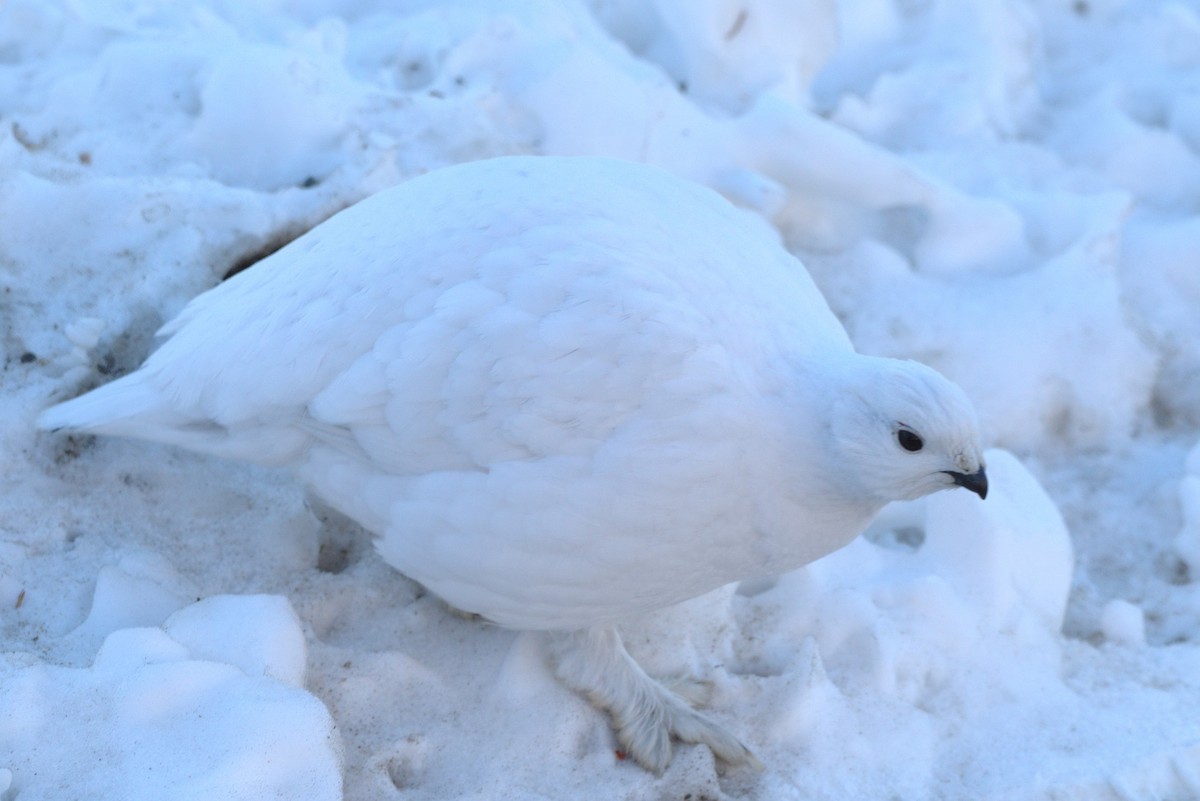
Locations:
column 184, row 711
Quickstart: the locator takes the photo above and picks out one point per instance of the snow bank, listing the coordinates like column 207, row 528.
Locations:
column 932, row 579
column 988, row 334
column 183, row 711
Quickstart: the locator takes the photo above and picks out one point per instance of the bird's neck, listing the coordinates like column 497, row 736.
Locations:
column 811, row 503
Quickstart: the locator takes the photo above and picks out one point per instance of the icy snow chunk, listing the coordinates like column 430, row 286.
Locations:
column 726, row 54
column 153, row 718
column 1123, row 623
column 85, row 332
column 126, row 650
column 976, row 76
column 1008, row 553
column 140, row 590
column 966, row 233
column 843, row 187
column 259, row 634
column 272, row 117
column 1152, row 163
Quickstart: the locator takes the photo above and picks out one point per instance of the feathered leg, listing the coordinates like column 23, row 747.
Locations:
column 645, row 713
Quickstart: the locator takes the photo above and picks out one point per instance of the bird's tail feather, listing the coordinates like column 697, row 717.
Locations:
column 134, row 407
column 128, row 406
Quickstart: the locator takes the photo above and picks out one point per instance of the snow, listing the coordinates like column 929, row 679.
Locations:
column 1123, row 623
column 233, row 728
column 1005, row 189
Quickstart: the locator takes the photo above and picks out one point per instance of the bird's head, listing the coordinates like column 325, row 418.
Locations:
column 903, row 431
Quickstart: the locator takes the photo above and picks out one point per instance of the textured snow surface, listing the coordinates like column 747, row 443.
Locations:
column 1006, row 189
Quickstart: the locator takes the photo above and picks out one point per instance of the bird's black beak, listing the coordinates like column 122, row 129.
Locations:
column 975, row 482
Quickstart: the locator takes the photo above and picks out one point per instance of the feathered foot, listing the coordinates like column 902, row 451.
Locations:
column 645, row 713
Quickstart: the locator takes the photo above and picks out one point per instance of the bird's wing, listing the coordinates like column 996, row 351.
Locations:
column 485, row 376
column 480, row 314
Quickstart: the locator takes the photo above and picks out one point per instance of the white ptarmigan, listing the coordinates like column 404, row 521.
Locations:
column 561, row 392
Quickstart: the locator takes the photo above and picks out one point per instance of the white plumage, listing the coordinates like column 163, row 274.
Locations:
column 562, row 392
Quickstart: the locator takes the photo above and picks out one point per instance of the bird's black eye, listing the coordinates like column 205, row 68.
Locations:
column 909, row 440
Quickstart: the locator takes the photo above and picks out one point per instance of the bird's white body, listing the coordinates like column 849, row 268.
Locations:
column 561, row 392
column 552, row 409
